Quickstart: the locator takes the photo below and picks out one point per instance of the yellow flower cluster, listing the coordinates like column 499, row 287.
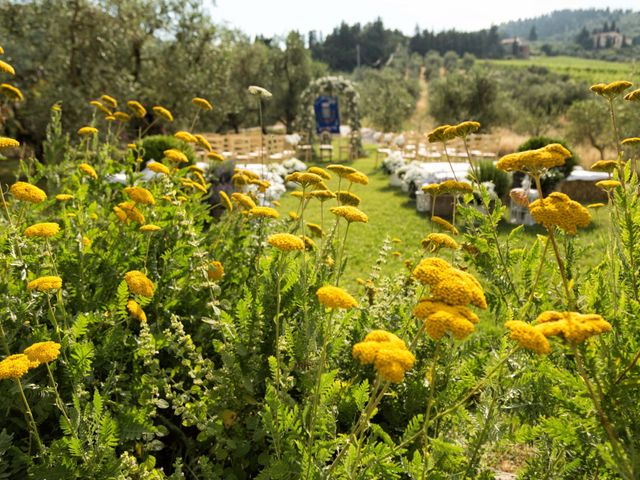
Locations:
column 87, row 131
column 6, row 142
column 315, row 229
column 351, row 214
column 6, row 68
column 43, row 230
column 341, row 170
column 357, row 177
column 136, row 311
column 448, row 187
column 139, row 284
column 64, row 197
column 12, row 92
column 140, row 195
column 321, row 172
column 43, row 352
column 348, row 198
column 45, row 284
column 434, row 241
column 127, row 211
column 109, row 100
column 27, row 192
column 573, row 326
column 202, row 103
column 444, row 224
column 264, row 212
column 245, row 201
column 163, row 113
column 388, row 354
column 608, row 184
column 633, row 96
column 137, row 108
column 528, row 336
column 15, row 366
column 215, row 271
column 535, row 161
column 185, row 136
column 285, row 242
column 88, row 170
column 559, row 210
column 631, row 141
column 448, row 284
column 440, row 318
column 150, row 227
column 604, row 166
column 225, row 200
column 462, row 129
column 203, row 142
column 439, row 134
column 335, row 297
column 610, row 90
column 175, row 155
column 122, row 116
column 322, row 195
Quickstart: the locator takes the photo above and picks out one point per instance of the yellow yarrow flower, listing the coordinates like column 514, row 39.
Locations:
column 139, row 284
column 45, row 284
column 137, row 108
column 605, row 166
column 131, row 212
column 440, row 134
column 264, row 212
column 175, row 155
column 6, row 68
column 245, row 201
column 559, row 210
column 348, row 198
column 27, row 192
column 215, row 271
column 43, row 230
column 351, row 214
column 158, row 168
column 15, row 366
column 43, row 352
column 140, row 195
column 122, row 116
column 150, row 228
column 202, row 103
column 6, row 142
column 285, row 242
column 572, row 326
column 595, row 206
column 315, row 230
column 434, row 241
column 441, row 318
column 631, row 141
column 444, row 224
column 357, row 177
column 86, row 131
column 528, row 336
column 388, row 354
column 341, row 170
column 462, row 129
column 64, row 197
column 335, row 297
column 88, row 170
column 608, row 184
column 535, row 161
column 136, row 311
column 11, row 92
column 110, row 101
column 611, row 90
column 226, row 201
column 185, row 137
column 163, row 113
column 203, row 142
column 321, row 172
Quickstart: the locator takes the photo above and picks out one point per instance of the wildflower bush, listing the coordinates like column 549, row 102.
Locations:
column 142, row 338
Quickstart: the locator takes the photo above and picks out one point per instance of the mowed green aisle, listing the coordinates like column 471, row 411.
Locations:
column 392, row 215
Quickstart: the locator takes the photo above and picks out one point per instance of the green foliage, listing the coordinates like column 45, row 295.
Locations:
column 488, row 172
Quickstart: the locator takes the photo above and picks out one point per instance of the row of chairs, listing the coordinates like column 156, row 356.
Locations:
column 415, row 146
column 251, row 146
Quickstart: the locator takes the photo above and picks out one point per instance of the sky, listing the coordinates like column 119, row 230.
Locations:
column 277, row 17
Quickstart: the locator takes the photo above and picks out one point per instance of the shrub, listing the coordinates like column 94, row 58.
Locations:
column 154, row 145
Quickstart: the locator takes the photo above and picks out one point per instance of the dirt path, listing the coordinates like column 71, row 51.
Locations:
column 419, row 120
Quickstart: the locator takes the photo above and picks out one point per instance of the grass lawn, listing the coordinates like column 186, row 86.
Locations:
column 392, row 214
column 591, row 71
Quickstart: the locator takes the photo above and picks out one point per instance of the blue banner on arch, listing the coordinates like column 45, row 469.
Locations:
column 327, row 114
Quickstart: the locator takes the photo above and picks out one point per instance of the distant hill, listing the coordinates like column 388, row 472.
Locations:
column 564, row 25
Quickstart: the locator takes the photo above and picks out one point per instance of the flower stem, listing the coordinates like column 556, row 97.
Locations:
column 32, row 423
